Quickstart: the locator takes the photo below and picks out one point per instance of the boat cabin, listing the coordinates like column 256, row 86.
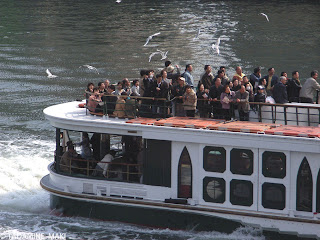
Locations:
column 250, row 172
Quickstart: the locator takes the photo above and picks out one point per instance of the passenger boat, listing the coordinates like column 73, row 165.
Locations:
column 188, row 173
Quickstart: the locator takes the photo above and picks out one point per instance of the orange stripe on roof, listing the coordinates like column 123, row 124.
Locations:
column 296, row 131
column 238, row 126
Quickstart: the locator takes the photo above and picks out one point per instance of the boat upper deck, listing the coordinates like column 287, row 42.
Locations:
column 70, row 116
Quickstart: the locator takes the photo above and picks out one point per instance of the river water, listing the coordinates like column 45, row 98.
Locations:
column 63, row 35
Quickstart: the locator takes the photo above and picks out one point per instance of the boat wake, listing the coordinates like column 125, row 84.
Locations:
column 24, row 205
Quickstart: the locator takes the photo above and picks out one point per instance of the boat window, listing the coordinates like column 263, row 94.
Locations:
column 214, row 189
column 241, row 161
column 157, row 163
column 99, row 155
column 185, row 175
column 273, row 196
column 274, row 164
column 214, row 159
column 304, row 187
column 241, row 192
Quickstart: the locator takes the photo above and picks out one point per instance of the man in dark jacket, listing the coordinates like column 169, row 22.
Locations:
column 159, row 89
column 280, row 91
column 293, row 87
column 214, row 95
column 271, row 81
column 206, row 79
column 255, row 77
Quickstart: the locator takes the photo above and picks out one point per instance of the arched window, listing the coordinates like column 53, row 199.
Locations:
column 185, row 175
column 318, row 193
column 304, row 187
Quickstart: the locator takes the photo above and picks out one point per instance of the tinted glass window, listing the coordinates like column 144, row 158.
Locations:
column 214, row 159
column 185, row 175
column 274, row 164
column 241, row 192
column 241, row 161
column 214, row 189
column 304, row 187
column 273, row 196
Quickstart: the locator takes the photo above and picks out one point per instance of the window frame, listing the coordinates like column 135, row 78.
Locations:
column 263, row 190
column 251, row 155
column 206, row 197
column 207, row 150
column 242, row 202
column 265, row 156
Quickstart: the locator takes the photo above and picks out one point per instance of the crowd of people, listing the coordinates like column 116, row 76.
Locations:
column 172, row 93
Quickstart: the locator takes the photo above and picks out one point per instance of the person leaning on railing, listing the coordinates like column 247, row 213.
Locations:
column 202, row 101
column 242, row 99
column 94, row 100
column 189, row 101
column 227, row 98
column 120, row 109
column 177, row 92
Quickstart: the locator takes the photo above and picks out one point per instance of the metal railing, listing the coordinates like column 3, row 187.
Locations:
column 287, row 114
column 79, row 167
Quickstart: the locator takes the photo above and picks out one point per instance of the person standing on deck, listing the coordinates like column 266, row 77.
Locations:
column 189, row 101
column 106, row 84
column 223, row 68
column 242, row 98
column 206, row 79
column 177, row 93
column 239, row 74
column 94, row 100
column 221, row 75
column 280, row 91
column 309, row 88
column 271, row 80
column 171, row 70
column 187, row 75
column 214, row 97
column 294, row 87
column 255, row 77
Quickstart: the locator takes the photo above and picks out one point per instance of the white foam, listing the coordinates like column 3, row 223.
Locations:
column 23, row 163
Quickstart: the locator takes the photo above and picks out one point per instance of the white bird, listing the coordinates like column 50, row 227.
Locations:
column 163, row 54
column 263, row 14
column 197, row 36
column 150, row 37
column 118, row 1
column 216, row 46
column 152, row 54
column 50, row 75
column 90, row 67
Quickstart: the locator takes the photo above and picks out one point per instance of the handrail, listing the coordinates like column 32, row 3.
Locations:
column 165, row 106
column 88, row 170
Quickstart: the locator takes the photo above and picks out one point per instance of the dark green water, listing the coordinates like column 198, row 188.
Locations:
column 63, row 35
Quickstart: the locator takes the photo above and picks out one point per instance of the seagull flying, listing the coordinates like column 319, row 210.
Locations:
column 216, row 46
column 197, row 36
column 150, row 37
column 50, row 75
column 118, row 1
column 163, row 54
column 90, row 67
column 152, row 54
column 263, row 14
